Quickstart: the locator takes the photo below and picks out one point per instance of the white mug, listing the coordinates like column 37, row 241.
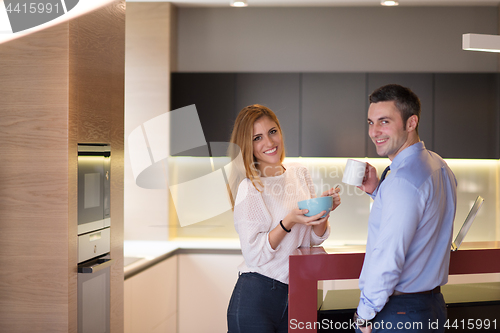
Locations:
column 354, row 172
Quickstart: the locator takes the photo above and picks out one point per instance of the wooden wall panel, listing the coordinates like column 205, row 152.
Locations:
column 34, row 182
column 100, row 65
column 97, row 82
column 73, row 184
column 59, row 86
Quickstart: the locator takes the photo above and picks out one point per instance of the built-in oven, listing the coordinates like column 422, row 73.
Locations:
column 94, row 179
column 94, row 238
column 94, row 295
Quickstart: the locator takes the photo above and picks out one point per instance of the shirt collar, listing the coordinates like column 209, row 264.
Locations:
column 413, row 149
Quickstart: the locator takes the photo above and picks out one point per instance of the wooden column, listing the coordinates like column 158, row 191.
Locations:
column 34, row 187
column 97, row 98
column 59, row 86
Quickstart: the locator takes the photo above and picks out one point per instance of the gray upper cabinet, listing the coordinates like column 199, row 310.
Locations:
column 214, row 97
column 466, row 115
column 420, row 84
column 279, row 92
column 325, row 114
column 333, row 116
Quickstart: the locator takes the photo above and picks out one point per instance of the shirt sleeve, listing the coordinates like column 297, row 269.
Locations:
column 253, row 223
column 373, row 195
column 402, row 207
column 317, row 240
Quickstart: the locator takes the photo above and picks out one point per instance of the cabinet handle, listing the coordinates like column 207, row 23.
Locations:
column 95, row 267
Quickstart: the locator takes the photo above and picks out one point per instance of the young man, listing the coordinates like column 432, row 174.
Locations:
column 410, row 225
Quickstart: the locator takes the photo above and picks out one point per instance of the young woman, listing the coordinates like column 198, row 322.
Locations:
column 268, row 221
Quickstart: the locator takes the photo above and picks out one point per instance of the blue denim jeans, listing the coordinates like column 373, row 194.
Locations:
column 412, row 313
column 258, row 304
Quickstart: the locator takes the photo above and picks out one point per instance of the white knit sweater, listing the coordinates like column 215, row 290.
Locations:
column 257, row 213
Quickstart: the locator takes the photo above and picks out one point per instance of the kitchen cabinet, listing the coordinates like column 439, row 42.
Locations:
column 206, row 282
column 422, row 85
column 187, row 292
column 324, row 114
column 214, row 97
column 278, row 91
column 333, row 117
column 151, row 299
column 466, row 115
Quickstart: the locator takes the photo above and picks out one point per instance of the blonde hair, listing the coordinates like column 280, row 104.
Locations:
column 242, row 141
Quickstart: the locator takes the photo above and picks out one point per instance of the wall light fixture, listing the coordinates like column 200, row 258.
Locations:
column 481, row 42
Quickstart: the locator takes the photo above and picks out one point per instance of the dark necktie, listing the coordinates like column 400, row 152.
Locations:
column 384, row 174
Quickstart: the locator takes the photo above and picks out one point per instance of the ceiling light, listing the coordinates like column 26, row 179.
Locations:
column 479, row 42
column 238, row 3
column 389, row 3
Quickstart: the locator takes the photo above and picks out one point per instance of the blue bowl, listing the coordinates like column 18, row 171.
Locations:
column 317, row 205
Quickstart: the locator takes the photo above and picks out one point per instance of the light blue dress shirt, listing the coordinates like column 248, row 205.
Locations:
column 409, row 230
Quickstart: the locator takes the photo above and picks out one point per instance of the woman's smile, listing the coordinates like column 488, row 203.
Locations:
column 267, row 146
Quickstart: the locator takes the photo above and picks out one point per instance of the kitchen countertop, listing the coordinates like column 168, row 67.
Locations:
column 141, row 254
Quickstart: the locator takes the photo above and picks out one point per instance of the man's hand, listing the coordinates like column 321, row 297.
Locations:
column 360, row 321
column 367, row 329
column 370, row 181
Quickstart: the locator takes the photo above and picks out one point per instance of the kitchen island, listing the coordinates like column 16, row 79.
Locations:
column 310, row 265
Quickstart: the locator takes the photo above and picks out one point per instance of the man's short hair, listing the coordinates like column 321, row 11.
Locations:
column 407, row 102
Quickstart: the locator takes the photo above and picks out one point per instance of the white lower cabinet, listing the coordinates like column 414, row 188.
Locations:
column 184, row 294
column 206, row 282
column 150, row 299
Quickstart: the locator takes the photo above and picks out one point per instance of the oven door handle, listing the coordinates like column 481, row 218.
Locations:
column 96, row 266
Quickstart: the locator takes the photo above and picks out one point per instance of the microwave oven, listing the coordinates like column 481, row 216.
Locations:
column 94, row 219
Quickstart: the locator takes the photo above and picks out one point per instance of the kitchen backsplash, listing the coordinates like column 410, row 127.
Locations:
column 349, row 221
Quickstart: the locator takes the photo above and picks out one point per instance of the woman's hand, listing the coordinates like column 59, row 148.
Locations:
column 333, row 192
column 318, row 223
column 297, row 216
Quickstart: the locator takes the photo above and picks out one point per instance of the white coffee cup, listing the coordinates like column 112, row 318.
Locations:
column 354, row 172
